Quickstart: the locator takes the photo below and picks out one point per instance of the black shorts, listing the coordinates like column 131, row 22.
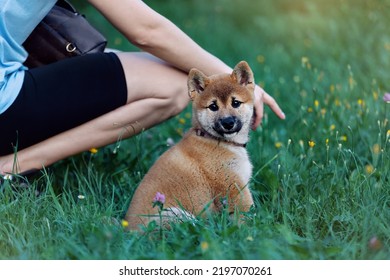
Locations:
column 60, row 96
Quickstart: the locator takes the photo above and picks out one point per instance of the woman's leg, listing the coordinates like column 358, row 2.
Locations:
column 156, row 92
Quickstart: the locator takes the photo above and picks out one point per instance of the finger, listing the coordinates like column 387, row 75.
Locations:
column 270, row 102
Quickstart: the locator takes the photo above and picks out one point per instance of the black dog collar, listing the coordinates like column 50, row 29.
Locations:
column 202, row 133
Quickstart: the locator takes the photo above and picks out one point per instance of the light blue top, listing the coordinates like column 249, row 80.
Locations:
column 18, row 19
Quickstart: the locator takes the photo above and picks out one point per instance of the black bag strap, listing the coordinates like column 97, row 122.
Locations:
column 66, row 5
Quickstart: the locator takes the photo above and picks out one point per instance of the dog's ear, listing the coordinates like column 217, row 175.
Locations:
column 243, row 75
column 197, row 82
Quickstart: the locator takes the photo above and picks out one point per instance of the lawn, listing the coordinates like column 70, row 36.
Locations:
column 321, row 177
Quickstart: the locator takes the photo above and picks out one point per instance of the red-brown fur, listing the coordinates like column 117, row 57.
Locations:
column 202, row 170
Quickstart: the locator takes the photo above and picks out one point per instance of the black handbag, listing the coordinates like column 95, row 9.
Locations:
column 61, row 34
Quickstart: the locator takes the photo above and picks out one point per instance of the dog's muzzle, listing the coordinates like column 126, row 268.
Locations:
column 228, row 125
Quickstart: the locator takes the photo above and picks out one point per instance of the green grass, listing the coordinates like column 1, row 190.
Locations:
column 327, row 63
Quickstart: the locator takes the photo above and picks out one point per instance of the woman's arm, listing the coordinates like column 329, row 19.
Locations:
column 155, row 34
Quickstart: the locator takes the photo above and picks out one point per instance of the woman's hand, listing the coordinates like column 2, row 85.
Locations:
column 261, row 98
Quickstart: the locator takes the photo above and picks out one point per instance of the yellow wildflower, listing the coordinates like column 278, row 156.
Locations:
column 375, row 95
column 369, row 169
column 311, row 143
column 278, row 145
column 182, row 121
column 316, row 103
column 343, row 138
column 376, row 149
column 125, row 223
column 310, row 109
column 93, row 150
column 332, row 127
column 204, row 246
column 179, row 131
column 260, row 59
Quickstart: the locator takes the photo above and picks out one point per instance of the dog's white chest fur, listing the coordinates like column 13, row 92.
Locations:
column 241, row 164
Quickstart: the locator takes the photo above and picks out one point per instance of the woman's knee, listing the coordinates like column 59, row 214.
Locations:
column 149, row 77
column 180, row 98
column 175, row 98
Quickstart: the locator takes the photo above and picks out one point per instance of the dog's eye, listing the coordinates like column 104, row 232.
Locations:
column 213, row 106
column 236, row 103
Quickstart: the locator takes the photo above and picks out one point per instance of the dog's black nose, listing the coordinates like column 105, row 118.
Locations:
column 228, row 125
column 228, row 122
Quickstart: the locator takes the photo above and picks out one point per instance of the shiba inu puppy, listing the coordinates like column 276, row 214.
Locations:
column 209, row 169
